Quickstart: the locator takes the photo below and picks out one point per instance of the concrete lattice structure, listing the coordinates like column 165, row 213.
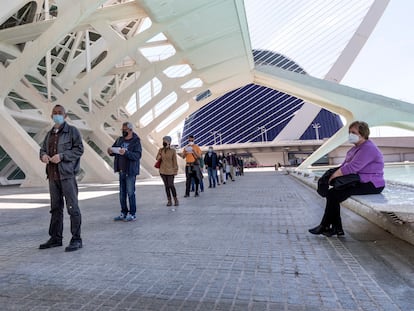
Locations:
column 147, row 62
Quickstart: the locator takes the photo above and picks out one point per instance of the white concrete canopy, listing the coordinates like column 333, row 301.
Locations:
column 147, row 61
column 351, row 103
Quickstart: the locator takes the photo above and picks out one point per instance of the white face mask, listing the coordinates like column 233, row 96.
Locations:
column 191, row 143
column 353, row 138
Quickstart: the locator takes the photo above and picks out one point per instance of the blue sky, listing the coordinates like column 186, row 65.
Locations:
column 386, row 63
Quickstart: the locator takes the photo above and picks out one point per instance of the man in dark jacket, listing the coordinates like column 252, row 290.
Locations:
column 211, row 163
column 127, row 151
column 61, row 151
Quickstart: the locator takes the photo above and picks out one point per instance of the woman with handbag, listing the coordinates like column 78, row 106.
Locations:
column 363, row 159
column 168, row 168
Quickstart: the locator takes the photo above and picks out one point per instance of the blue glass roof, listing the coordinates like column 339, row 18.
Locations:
column 254, row 113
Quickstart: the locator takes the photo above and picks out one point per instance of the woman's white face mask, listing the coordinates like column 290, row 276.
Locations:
column 353, row 138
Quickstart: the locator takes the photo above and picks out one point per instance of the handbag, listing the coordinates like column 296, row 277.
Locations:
column 339, row 183
column 323, row 182
column 157, row 164
column 345, row 181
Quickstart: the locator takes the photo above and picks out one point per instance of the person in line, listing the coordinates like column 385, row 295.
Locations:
column 61, row 150
column 200, row 174
column 191, row 154
column 222, row 168
column 127, row 151
column 168, row 169
column 211, row 163
column 231, row 163
column 364, row 159
column 240, row 163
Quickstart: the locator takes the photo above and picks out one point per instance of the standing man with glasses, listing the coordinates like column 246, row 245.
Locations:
column 61, row 151
column 127, row 151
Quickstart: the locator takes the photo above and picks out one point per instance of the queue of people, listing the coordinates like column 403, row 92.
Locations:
column 219, row 168
column 61, row 150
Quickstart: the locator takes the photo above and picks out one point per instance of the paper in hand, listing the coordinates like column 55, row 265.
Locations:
column 115, row 149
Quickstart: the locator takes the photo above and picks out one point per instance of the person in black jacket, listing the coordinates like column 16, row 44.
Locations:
column 127, row 151
column 211, row 163
column 61, row 151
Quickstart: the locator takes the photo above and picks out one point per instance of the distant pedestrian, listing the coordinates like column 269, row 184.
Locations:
column 168, row 169
column 231, row 162
column 240, row 163
column 222, row 168
column 191, row 154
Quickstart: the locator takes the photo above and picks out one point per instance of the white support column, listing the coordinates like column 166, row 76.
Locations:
column 304, row 116
column 88, row 66
column 351, row 103
column 137, row 99
column 96, row 169
column 118, row 110
column 48, row 60
column 22, row 149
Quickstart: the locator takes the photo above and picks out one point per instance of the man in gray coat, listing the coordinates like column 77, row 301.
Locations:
column 61, row 151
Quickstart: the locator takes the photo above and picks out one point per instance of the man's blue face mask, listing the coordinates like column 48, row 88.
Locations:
column 58, row 119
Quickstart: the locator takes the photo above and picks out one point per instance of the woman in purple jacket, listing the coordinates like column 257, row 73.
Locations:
column 364, row 159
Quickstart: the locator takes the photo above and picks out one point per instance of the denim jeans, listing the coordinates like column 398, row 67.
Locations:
column 127, row 188
column 212, row 176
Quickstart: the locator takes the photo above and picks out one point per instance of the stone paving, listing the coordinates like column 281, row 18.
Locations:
column 240, row 246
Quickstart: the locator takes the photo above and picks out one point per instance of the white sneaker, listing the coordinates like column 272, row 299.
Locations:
column 120, row 217
column 130, row 218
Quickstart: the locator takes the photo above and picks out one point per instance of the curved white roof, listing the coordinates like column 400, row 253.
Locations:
column 146, row 61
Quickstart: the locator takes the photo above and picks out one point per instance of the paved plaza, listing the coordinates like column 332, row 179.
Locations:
column 241, row 246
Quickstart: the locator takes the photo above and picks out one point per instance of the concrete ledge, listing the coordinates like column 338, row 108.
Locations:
column 392, row 210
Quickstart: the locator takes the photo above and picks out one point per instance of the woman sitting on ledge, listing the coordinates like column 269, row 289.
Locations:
column 364, row 159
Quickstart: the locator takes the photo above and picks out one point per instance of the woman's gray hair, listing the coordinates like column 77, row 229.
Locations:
column 128, row 125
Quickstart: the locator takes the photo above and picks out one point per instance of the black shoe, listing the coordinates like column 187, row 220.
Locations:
column 328, row 232
column 338, row 231
column 321, row 230
column 50, row 243
column 74, row 245
column 196, row 194
column 186, row 195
